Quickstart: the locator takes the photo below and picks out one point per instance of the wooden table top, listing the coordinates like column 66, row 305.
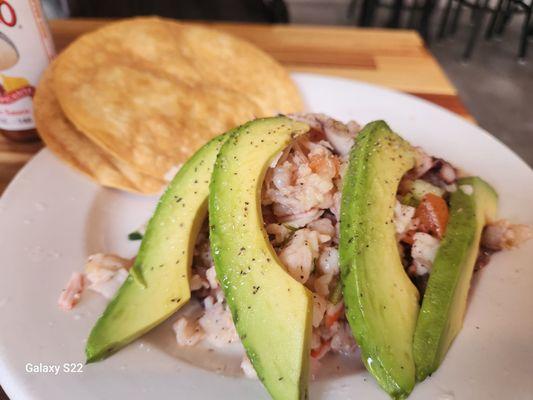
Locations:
column 394, row 58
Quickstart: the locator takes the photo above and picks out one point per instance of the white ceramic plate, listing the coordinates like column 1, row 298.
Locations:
column 51, row 218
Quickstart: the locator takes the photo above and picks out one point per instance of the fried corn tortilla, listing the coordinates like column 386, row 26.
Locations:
column 82, row 154
column 152, row 91
column 148, row 121
column 196, row 54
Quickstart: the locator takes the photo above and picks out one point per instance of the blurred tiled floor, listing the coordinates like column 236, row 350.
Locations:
column 496, row 88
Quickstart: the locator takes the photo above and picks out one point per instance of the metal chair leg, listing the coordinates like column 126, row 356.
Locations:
column 477, row 4
column 394, row 21
column 350, row 11
column 496, row 14
column 525, row 34
column 444, row 20
column 411, row 21
column 455, row 18
column 479, row 13
column 504, row 19
column 425, row 19
column 367, row 12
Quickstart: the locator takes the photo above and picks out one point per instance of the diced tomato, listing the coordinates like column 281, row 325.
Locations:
column 333, row 315
column 322, row 350
column 408, row 237
column 432, row 213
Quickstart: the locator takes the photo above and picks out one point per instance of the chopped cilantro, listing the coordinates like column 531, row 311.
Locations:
column 136, row 235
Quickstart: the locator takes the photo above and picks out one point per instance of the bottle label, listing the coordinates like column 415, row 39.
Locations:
column 26, row 48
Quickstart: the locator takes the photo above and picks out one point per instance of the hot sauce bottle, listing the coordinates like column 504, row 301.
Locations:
column 26, row 48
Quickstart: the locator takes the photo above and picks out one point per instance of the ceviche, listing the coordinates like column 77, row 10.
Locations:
column 328, row 244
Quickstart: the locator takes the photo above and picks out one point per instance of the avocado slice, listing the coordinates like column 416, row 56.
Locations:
column 158, row 284
column 271, row 310
column 381, row 301
column 472, row 206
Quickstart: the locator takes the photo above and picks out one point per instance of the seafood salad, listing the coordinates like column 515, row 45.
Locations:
column 301, row 198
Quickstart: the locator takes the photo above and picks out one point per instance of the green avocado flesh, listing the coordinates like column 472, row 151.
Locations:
column 381, row 301
column 271, row 311
column 443, row 307
column 158, row 283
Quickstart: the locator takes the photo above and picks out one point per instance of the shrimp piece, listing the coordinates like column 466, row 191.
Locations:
column 333, row 313
column 217, row 324
column 302, row 219
column 323, row 163
column 423, row 163
column 319, row 309
column 402, row 217
column 343, row 341
column 102, row 267
column 109, row 287
column 447, row 173
column 299, row 254
column 336, row 207
column 211, row 276
column 282, row 175
column 303, row 182
column 328, row 262
column 324, row 348
column 70, row 296
column 324, row 226
column 321, row 284
column 106, row 273
column 502, row 235
column 188, row 332
column 279, row 231
column 340, row 136
column 423, row 251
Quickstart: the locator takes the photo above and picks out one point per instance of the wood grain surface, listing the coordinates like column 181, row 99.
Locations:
column 397, row 59
column 394, row 58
